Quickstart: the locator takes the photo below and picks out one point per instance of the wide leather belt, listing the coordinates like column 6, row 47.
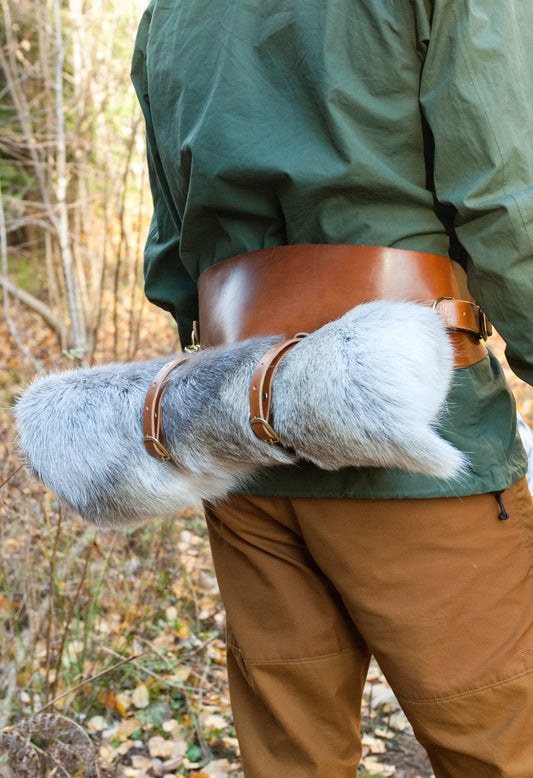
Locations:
column 290, row 289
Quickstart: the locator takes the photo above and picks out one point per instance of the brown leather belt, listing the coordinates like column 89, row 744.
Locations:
column 290, row 289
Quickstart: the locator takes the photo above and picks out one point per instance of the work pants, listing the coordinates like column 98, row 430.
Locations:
column 440, row 591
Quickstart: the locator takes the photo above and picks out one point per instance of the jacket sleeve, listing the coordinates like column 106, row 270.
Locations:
column 477, row 96
column 167, row 283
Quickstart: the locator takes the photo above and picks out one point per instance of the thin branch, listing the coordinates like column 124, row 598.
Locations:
column 34, row 304
column 90, row 680
column 70, row 614
column 11, row 475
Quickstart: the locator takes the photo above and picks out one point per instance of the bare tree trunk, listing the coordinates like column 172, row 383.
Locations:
column 77, row 315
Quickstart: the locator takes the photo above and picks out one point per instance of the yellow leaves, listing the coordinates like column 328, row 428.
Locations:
column 217, row 651
column 373, row 745
column 373, row 767
column 160, row 747
column 97, row 724
column 219, row 768
column 171, row 613
column 180, row 674
column 208, row 607
column 115, row 702
column 140, row 697
column 168, row 636
column 127, row 727
column 4, row 606
column 213, row 722
column 109, row 699
column 122, row 703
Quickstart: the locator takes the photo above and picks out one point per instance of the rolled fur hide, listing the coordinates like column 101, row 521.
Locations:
column 364, row 390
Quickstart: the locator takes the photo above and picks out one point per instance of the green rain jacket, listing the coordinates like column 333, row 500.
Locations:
column 403, row 123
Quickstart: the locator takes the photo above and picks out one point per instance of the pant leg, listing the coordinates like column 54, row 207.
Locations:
column 296, row 663
column 442, row 592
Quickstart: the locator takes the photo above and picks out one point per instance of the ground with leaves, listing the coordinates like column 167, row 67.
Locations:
column 112, row 659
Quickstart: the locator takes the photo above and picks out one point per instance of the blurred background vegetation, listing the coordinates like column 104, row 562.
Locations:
column 119, row 634
column 74, row 183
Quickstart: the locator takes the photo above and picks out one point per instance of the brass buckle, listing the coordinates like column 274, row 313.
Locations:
column 271, row 431
column 195, row 346
column 485, row 327
column 165, row 456
column 439, row 300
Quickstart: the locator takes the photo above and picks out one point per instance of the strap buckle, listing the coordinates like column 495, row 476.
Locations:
column 273, row 438
column 464, row 316
column 485, row 327
column 163, row 454
column 195, row 341
column 439, row 300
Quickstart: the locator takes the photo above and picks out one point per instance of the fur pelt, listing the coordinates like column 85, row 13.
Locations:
column 364, row 390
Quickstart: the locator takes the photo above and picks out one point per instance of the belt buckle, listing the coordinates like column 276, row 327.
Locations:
column 163, row 454
column 485, row 327
column 274, row 437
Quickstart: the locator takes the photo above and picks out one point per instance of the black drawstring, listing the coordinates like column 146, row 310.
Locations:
column 503, row 515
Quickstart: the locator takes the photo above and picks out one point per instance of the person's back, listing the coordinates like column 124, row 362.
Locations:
column 282, row 123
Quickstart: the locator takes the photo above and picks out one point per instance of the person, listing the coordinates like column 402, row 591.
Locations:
column 404, row 125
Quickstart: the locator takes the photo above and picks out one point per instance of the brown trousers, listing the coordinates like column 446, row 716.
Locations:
column 439, row 591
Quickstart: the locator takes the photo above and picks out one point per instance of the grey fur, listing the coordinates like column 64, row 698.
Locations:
column 363, row 390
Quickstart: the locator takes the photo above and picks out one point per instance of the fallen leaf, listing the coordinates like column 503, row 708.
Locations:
column 140, row 696
column 214, row 721
column 160, row 747
column 171, row 613
column 217, row 769
column 141, row 762
column 376, row 746
column 180, row 674
column 399, row 722
column 374, row 767
column 97, row 724
column 123, row 702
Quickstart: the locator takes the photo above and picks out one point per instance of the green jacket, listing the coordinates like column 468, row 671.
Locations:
column 403, row 123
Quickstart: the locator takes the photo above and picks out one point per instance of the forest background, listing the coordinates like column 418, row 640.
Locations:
column 112, row 658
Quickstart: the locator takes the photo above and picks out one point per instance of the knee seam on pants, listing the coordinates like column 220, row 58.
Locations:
column 281, row 661
column 465, row 693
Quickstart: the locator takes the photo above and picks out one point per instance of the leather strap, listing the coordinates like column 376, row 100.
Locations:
column 464, row 316
column 261, row 388
column 153, row 432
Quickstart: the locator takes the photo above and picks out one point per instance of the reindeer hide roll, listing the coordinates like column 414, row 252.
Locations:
column 365, row 390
